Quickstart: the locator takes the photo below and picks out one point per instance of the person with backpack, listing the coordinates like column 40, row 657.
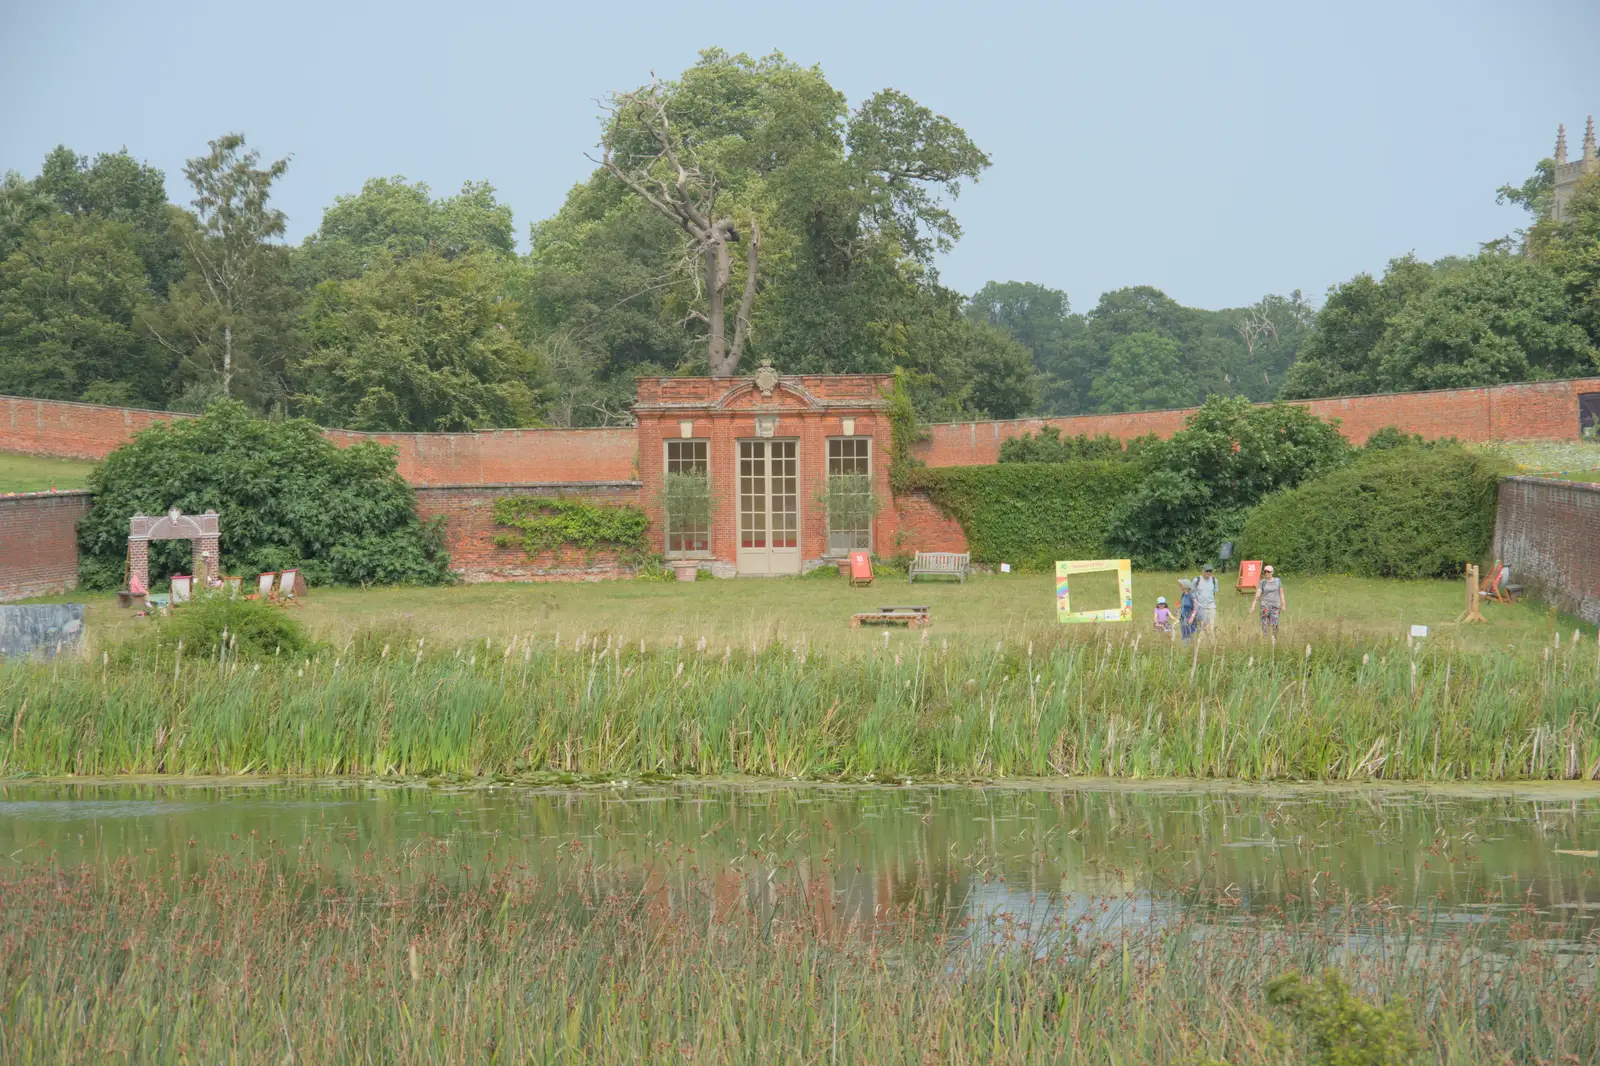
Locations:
column 1188, row 613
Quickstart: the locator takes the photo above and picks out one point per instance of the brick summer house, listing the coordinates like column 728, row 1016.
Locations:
column 769, row 445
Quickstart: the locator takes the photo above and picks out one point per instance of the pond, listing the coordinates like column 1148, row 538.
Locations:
column 953, row 858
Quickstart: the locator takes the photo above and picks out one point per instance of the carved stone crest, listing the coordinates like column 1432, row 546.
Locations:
column 766, row 380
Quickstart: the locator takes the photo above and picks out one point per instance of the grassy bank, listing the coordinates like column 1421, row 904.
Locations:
column 272, row 959
column 33, row 473
column 1109, row 703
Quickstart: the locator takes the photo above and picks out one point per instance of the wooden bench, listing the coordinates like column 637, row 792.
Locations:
column 945, row 564
column 910, row 617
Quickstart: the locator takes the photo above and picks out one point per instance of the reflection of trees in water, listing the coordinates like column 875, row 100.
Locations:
column 852, row 859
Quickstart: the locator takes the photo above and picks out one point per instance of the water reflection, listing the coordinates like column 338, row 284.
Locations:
column 979, row 863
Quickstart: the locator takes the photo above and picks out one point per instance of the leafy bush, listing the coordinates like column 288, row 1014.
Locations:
column 1395, row 512
column 1395, row 437
column 287, row 496
column 1049, row 446
column 1031, row 514
column 1341, row 1028
column 547, row 522
column 249, row 629
column 1200, row 484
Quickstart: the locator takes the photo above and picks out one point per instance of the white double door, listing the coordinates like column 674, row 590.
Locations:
column 769, row 507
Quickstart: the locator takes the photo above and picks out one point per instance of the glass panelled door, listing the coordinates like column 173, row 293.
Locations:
column 769, row 507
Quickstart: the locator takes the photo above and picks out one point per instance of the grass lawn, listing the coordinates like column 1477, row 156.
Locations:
column 1011, row 607
column 33, row 473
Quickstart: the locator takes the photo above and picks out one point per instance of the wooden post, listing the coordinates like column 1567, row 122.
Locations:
column 1472, row 613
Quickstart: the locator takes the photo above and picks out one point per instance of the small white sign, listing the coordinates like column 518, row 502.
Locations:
column 1419, row 631
column 1005, row 568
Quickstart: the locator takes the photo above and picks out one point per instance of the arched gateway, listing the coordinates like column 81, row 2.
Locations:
column 200, row 530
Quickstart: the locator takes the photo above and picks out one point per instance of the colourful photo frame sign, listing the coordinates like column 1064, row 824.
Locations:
column 1124, row 569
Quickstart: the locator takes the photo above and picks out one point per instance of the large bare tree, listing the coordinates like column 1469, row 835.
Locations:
column 656, row 168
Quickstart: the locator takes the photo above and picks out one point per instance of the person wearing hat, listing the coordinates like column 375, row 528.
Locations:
column 1188, row 620
column 1205, row 596
column 1269, row 600
column 1163, row 617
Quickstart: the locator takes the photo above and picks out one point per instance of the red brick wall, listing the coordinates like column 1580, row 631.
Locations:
column 507, row 456
column 70, row 430
column 1540, row 410
column 923, row 527
column 1548, row 532
column 470, row 532
column 39, row 542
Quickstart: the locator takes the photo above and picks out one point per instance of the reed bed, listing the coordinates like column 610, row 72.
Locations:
column 1092, row 704
column 273, row 958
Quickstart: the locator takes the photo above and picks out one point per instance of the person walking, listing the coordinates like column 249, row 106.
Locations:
column 1188, row 619
column 1269, row 601
column 1205, row 597
column 1163, row 617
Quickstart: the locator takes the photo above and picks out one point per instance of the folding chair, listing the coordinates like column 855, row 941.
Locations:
column 182, row 589
column 860, row 569
column 264, row 585
column 232, row 585
column 290, row 587
column 1249, row 576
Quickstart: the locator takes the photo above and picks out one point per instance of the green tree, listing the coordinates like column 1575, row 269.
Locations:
column 1144, row 372
column 231, row 315
column 287, row 495
column 1499, row 318
column 392, row 217
column 117, row 187
column 1339, row 356
column 69, row 296
column 851, row 206
column 1041, row 319
column 1571, row 250
column 419, row 343
column 1201, row 483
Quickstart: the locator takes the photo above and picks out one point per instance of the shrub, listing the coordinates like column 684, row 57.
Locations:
column 1203, row 481
column 287, row 496
column 249, row 629
column 1394, row 512
column 547, row 522
column 1031, row 514
column 1342, row 1029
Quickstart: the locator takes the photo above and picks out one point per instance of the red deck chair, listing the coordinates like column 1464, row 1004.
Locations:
column 860, row 569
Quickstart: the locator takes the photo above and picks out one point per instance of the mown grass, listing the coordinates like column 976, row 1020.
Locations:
column 262, row 955
column 1114, row 702
column 34, row 473
column 816, row 612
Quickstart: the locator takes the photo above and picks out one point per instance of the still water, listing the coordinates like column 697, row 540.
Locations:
column 861, row 856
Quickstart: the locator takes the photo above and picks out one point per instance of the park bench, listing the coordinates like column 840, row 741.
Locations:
column 946, row 564
column 910, row 617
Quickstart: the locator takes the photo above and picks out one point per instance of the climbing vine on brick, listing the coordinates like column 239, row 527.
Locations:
column 549, row 522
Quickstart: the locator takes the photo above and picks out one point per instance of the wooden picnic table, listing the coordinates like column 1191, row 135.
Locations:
column 915, row 617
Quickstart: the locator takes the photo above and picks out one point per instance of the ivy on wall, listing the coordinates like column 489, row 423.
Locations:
column 546, row 523
column 1031, row 514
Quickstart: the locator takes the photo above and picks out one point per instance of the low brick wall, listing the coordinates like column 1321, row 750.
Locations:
column 470, row 532
column 1544, row 410
column 1548, row 532
column 39, row 542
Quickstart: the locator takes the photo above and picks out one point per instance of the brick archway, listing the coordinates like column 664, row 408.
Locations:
column 200, row 530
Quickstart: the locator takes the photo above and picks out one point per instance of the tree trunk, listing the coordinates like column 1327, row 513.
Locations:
column 716, row 292
column 227, row 360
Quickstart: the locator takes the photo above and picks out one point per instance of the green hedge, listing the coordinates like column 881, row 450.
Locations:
column 1400, row 512
column 1031, row 514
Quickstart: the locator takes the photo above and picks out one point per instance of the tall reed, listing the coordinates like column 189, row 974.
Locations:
column 274, row 959
column 1096, row 705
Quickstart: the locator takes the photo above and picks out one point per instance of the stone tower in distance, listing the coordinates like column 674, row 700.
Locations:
column 1567, row 174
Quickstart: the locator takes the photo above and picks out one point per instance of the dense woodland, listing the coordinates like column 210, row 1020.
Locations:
column 743, row 212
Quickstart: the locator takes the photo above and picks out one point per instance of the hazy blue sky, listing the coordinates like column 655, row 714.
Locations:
column 1219, row 151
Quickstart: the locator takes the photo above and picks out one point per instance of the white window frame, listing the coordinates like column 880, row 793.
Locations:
column 827, row 473
column 666, row 524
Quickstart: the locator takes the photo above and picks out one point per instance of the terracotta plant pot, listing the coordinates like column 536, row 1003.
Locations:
column 844, row 567
column 686, row 570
